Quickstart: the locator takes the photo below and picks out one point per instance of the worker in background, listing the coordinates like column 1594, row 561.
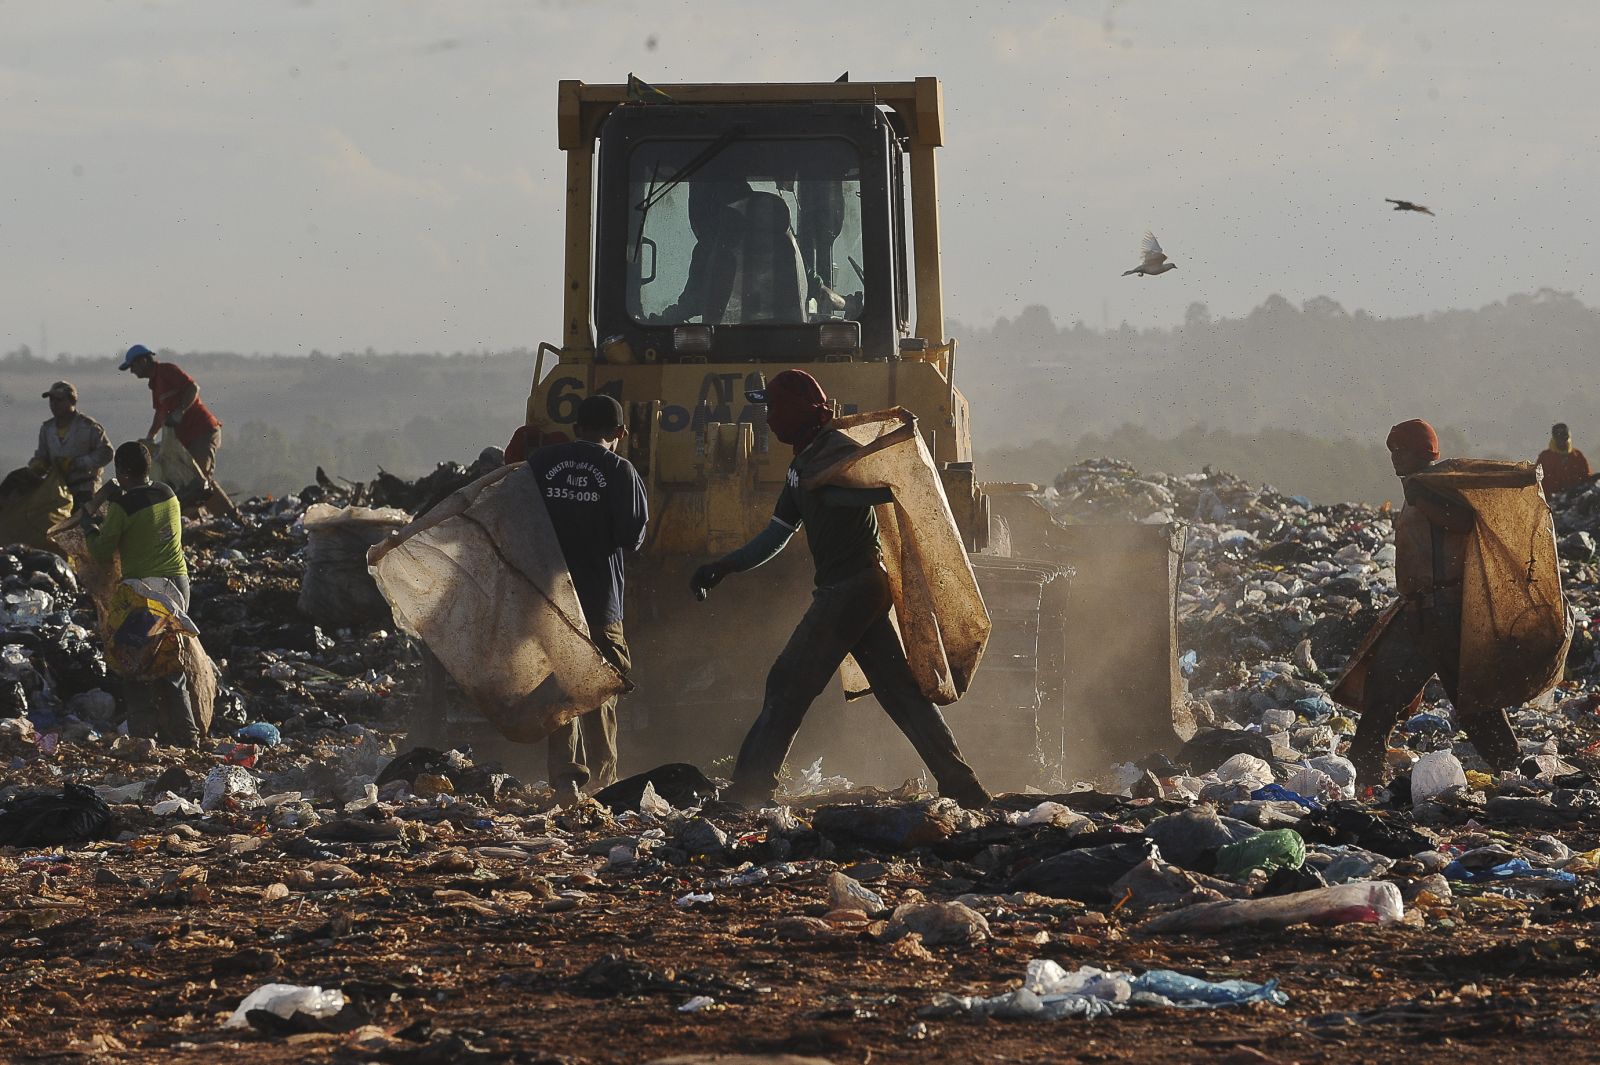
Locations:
column 1424, row 639
column 73, row 444
column 599, row 508
column 1564, row 465
column 849, row 612
column 141, row 526
column 176, row 400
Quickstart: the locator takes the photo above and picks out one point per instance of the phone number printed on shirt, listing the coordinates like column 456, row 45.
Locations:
column 576, row 495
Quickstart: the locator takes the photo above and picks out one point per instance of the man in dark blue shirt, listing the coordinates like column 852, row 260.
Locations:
column 599, row 508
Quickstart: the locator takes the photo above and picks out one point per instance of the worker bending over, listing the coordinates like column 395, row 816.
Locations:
column 178, row 406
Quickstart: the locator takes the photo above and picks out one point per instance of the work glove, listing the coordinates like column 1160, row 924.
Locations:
column 706, row 578
column 39, row 465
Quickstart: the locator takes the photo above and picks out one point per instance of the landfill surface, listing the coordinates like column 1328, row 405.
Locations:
column 310, row 887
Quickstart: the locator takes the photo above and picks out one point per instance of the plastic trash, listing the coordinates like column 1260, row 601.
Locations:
column 1191, row 992
column 175, row 806
column 285, row 1000
column 1277, row 720
column 261, row 733
column 93, row 705
column 696, row 1004
column 1434, row 774
column 1047, row 813
column 693, row 899
column 48, row 819
column 812, row 782
column 26, row 609
column 845, row 893
column 1184, row 838
column 1279, row 793
column 1245, row 768
column 651, row 804
column 1341, row 770
column 227, row 783
column 1516, row 868
column 1189, row 662
column 1312, row 783
column 1049, row 992
column 1367, row 901
column 1280, row 848
column 1085, row 875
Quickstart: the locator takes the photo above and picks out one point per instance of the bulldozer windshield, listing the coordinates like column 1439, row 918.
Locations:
column 751, row 230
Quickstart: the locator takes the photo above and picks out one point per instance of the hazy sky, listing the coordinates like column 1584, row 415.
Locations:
column 257, row 176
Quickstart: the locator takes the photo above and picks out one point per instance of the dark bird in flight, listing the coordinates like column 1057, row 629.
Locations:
column 1407, row 205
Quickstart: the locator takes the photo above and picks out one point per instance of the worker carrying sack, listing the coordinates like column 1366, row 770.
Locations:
column 176, row 646
column 1514, row 624
column 480, row 579
column 938, row 609
column 337, row 590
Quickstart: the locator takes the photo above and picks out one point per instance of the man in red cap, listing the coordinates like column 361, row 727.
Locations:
column 849, row 612
column 1424, row 638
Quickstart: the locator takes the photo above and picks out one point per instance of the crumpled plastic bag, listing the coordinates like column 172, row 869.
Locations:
column 286, row 1000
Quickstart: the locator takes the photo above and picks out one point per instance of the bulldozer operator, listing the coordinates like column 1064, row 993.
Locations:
column 849, row 612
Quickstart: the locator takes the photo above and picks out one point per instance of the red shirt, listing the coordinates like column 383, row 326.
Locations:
column 167, row 384
column 1562, row 470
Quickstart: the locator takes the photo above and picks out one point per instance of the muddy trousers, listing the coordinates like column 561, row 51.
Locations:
column 584, row 750
column 161, row 709
column 1421, row 643
column 848, row 618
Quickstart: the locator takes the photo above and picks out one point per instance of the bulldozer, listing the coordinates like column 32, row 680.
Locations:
column 718, row 233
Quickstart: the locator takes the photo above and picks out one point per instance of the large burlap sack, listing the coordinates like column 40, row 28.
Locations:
column 171, row 464
column 480, row 579
column 938, row 608
column 1515, row 629
column 31, row 505
column 337, row 589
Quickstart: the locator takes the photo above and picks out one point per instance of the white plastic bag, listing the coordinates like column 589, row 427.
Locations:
column 286, row 1000
column 1434, row 774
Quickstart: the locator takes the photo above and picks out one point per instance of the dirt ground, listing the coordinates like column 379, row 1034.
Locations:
column 452, row 945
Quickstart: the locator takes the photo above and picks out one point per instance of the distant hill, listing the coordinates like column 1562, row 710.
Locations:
column 1299, row 397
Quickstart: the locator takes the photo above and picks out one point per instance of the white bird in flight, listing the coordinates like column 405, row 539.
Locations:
column 1155, row 260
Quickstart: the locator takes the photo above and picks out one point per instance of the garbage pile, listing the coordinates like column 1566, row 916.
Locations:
column 328, row 880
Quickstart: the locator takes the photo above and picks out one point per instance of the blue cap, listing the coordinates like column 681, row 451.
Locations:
column 133, row 353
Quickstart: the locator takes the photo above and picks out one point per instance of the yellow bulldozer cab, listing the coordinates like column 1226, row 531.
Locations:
column 719, row 233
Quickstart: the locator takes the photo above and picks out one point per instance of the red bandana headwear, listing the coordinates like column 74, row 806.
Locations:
column 797, row 408
column 1417, row 435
